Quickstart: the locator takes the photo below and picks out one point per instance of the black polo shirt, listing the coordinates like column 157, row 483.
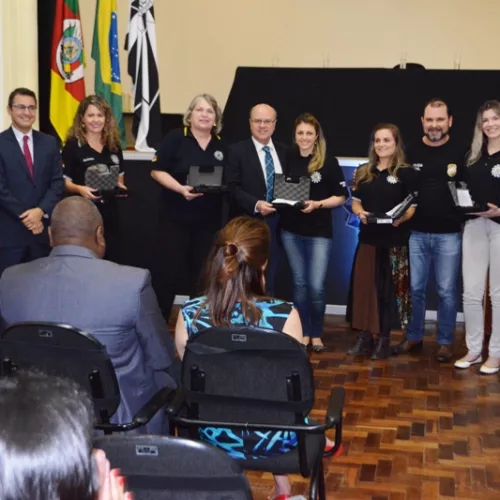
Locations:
column 483, row 180
column 179, row 151
column 436, row 166
column 380, row 195
column 327, row 181
column 77, row 158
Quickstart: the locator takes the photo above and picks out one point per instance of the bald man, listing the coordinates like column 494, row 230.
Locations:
column 116, row 304
column 250, row 170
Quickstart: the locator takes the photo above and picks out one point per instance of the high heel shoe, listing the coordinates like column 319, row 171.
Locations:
column 318, row 347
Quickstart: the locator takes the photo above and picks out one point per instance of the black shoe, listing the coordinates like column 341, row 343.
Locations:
column 408, row 347
column 383, row 348
column 363, row 345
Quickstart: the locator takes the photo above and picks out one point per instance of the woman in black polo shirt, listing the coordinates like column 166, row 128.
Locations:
column 307, row 234
column 379, row 298
column 481, row 240
column 94, row 139
column 188, row 221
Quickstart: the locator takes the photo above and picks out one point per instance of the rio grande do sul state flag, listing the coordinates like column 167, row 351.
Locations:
column 67, row 86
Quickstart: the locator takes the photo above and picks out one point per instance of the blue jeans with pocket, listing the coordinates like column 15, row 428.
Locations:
column 308, row 257
column 443, row 252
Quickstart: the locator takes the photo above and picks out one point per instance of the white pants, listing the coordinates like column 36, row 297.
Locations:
column 481, row 250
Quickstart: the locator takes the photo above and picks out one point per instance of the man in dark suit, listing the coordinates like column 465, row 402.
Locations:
column 250, row 172
column 116, row 304
column 31, row 183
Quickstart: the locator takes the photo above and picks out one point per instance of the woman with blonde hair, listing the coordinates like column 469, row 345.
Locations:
column 94, row 139
column 481, row 240
column 379, row 298
column 188, row 220
column 307, row 234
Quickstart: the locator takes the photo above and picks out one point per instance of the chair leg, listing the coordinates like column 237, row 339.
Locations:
column 321, row 482
column 317, row 484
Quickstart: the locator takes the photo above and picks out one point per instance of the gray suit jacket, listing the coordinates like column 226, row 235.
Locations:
column 114, row 303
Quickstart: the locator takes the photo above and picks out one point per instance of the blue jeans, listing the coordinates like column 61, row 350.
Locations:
column 308, row 257
column 443, row 251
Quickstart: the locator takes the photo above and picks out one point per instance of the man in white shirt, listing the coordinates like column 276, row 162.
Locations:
column 31, row 183
column 250, row 174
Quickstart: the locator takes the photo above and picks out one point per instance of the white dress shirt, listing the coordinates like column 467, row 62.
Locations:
column 262, row 157
column 20, row 140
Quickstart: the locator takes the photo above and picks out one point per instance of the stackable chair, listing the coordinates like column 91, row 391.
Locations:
column 69, row 352
column 257, row 379
column 162, row 467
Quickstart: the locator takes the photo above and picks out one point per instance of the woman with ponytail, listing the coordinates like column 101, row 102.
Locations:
column 235, row 284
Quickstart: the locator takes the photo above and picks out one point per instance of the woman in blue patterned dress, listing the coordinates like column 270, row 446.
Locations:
column 235, row 296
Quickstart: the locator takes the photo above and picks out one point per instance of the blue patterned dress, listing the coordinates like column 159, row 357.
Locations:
column 240, row 443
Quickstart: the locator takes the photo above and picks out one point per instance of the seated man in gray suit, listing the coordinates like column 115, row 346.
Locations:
column 116, row 304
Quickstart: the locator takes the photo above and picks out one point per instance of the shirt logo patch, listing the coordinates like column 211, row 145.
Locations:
column 316, row 177
column 417, row 166
column 89, row 159
column 495, row 171
column 451, row 170
column 219, row 155
column 115, row 159
column 391, row 179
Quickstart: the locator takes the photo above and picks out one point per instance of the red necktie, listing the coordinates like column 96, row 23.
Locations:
column 27, row 154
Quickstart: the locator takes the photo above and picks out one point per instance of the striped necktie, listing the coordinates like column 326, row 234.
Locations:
column 269, row 174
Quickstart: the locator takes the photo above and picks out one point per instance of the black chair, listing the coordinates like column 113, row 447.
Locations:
column 161, row 467
column 251, row 379
column 68, row 352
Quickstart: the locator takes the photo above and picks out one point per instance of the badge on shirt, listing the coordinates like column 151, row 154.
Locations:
column 392, row 180
column 219, row 155
column 115, row 159
column 316, row 177
column 86, row 160
column 451, row 169
column 417, row 166
column 495, row 171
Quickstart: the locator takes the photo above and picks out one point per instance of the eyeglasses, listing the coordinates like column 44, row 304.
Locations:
column 263, row 122
column 22, row 107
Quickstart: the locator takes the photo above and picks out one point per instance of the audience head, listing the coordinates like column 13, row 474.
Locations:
column 487, row 128
column 21, row 107
column 436, row 122
column 203, row 114
column 310, row 140
column 45, row 439
column 77, row 221
column 262, row 122
column 94, row 116
column 235, row 270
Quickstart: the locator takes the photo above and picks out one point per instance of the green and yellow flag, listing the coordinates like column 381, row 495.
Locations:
column 67, row 87
column 107, row 64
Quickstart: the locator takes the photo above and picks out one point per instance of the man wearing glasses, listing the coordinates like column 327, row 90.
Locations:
column 31, row 183
column 250, row 173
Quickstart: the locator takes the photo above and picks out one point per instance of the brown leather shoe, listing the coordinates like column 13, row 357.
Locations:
column 444, row 354
column 408, row 347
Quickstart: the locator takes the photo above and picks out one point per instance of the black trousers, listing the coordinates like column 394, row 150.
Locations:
column 10, row 256
column 182, row 248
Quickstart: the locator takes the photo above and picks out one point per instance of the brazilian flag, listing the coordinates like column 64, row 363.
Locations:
column 107, row 64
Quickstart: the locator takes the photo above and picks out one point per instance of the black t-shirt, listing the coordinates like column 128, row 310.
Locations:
column 483, row 180
column 327, row 181
column 436, row 166
column 179, row 151
column 77, row 158
column 380, row 195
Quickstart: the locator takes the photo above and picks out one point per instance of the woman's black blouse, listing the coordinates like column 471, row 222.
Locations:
column 380, row 195
column 77, row 158
column 179, row 151
column 327, row 181
column 483, row 180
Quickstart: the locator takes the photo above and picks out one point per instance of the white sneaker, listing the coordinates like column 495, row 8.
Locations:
column 464, row 363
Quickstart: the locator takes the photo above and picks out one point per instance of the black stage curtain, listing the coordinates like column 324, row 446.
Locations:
column 350, row 102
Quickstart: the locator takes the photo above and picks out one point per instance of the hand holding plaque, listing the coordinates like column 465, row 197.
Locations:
column 463, row 199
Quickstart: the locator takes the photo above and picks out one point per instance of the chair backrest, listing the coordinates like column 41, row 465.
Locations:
column 246, row 374
column 161, row 467
column 65, row 351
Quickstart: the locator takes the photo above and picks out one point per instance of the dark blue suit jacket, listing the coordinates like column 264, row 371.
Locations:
column 19, row 191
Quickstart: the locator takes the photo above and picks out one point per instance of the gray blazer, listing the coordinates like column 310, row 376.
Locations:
column 114, row 303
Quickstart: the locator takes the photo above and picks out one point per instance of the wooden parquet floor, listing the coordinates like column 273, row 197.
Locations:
column 414, row 429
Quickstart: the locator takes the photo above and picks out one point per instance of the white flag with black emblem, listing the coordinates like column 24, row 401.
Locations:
column 143, row 68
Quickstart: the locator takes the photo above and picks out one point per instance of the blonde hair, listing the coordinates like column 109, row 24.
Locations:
column 319, row 150
column 186, row 119
column 365, row 172
column 478, row 136
column 110, row 133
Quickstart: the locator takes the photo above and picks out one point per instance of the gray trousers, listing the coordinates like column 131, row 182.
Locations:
column 481, row 251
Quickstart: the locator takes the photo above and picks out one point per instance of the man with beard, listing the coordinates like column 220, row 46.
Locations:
column 436, row 229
